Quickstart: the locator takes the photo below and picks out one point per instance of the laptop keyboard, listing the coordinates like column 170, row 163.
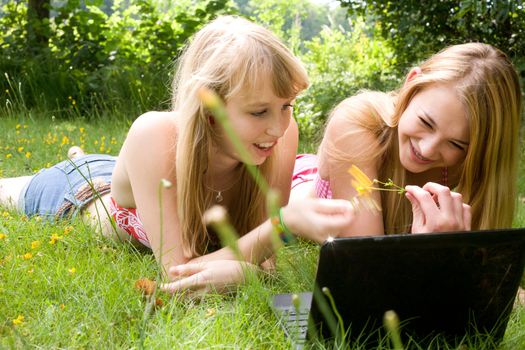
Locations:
column 293, row 320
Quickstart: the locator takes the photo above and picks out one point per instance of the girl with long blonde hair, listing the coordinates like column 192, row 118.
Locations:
column 185, row 157
column 449, row 136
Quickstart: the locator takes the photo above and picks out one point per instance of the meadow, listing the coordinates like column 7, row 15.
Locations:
column 64, row 286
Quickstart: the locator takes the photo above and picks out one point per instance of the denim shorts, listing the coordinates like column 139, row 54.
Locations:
column 65, row 188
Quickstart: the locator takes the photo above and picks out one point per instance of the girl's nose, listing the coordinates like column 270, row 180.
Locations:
column 278, row 126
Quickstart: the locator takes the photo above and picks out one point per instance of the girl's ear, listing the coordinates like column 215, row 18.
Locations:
column 414, row 72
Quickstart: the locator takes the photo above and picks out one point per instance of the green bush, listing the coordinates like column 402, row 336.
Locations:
column 340, row 63
column 96, row 60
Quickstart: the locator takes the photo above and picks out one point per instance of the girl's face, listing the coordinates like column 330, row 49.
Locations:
column 259, row 118
column 433, row 131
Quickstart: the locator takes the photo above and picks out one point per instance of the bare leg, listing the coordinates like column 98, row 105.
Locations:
column 10, row 189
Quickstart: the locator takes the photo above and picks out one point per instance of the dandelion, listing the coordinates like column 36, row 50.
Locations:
column 54, row 238
column 81, row 130
column 20, row 149
column 27, row 256
column 9, row 155
column 68, row 229
column 3, row 235
column 72, row 270
column 19, row 320
column 62, row 306
column 28, row 155
column 35, row 244
column 18, row 126
column 65, row 140
column 210, row 312
column 5, row 214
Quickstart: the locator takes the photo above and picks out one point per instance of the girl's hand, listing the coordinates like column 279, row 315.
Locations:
column 221, row 276
column 317, row 219
column 437, row 209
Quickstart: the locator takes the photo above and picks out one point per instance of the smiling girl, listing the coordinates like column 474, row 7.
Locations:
column 450, row 135
column 258, row 78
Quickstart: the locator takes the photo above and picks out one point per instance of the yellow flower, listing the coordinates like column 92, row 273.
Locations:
column 3, row 235
column 361, row 183
column 72, row 270
column 81, row 130
column 27, row 256
column 68, row 229
column 35, row 244
column 210, row 312
column 19, row 320
column 28, row 154
column 18, row 126
column 9, row 155
column 20, row 149
column 54, row 238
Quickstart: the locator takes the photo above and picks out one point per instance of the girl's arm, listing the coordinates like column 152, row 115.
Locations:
column 342, row 143
column 148, row 156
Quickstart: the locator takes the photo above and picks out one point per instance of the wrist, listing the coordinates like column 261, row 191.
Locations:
column 280, row 228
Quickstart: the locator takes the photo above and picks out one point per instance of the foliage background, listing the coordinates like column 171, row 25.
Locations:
column 104, row 63
column 98, row 58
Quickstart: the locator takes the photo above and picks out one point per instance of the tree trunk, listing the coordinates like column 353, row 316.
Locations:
column 38, row 23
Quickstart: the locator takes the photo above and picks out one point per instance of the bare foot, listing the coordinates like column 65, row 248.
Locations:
column 74, row 152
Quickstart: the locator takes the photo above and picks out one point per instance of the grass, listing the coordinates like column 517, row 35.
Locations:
column 62, row 286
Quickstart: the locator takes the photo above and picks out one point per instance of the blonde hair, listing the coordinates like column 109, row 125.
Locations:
column 488, row 87
column 229, row 55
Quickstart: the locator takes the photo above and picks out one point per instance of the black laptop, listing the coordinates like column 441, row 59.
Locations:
column 450, row 285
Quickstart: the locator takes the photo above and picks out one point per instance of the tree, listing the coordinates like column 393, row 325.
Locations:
column 38, row 23
column 418, row 28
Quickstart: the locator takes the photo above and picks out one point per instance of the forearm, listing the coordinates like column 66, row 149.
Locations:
column 254, row 247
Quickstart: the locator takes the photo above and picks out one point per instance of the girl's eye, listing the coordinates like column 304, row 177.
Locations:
column 259, row 114
column 287, row 106
column 457, row 145
column 425, row 123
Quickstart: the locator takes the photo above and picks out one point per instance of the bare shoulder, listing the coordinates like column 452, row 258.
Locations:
column 148, row 154
column 151, row 134
column 153, row 124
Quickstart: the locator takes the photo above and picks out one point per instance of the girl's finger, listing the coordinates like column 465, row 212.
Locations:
column 457, row 200
column 191, row 283
column 443, row 196
column 424, row 198
column 333, row 206
column 418, row 218
column 184, row 270
column 467, row 217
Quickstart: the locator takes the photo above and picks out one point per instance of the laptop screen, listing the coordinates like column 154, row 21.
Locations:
column 451, row 284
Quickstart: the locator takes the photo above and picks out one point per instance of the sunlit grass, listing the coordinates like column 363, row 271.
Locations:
column 63, row 286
